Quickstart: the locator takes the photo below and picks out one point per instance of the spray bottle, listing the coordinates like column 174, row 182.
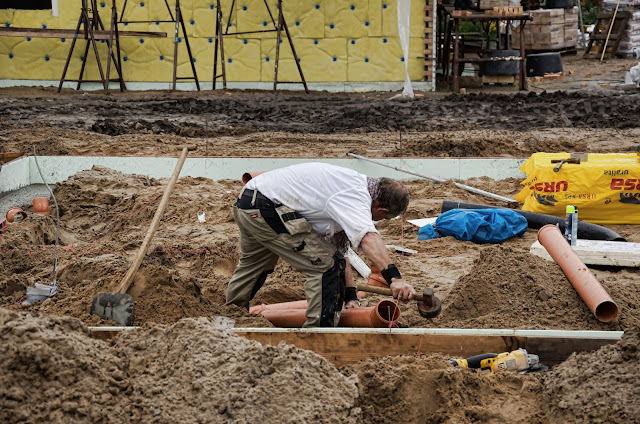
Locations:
column 571, row 225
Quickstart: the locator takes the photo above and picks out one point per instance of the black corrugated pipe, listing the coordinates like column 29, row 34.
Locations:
column 586, row 230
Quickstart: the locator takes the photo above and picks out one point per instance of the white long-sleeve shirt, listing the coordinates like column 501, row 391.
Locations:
column 330, row 197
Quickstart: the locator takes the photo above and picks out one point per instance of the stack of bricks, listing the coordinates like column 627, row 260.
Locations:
column 630, row 43
column 549, row 29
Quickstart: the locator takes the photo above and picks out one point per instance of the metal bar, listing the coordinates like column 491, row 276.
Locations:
column 186, row 41
column 223, row 66
column 295, row 55
column 523, row 71
column 249, row 32
column 169, row 10
column 456, row 48
column 233, row 3
column 273, row 21
column 279, row 28
column 215, row 45
column 438, row 180
column 66, row 65
column 175, row 44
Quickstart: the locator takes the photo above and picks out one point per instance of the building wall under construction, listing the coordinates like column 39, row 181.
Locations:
column 336, row 41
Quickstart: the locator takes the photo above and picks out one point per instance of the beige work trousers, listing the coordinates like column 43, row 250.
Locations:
column 303, row 249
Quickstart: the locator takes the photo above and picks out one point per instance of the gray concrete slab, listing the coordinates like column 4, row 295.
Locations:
column 22, row 197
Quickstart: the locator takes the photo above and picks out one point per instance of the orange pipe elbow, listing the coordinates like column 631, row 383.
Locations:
column 248, row 176
column 582, row 279
column 379, row 316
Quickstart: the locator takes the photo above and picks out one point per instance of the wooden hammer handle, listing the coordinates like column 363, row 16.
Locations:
column 381, row 290
column 124, row 285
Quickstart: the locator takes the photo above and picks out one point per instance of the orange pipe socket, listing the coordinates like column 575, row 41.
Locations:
column 585, row 283
column 16, row 214
column 297, row 304
column 248, row 176
column 379, row 316
column 41, row 206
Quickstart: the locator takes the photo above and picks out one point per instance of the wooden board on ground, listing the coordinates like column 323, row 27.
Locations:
column 599, row 252
column 342, row 346
column 498, row 79
column 9, row 156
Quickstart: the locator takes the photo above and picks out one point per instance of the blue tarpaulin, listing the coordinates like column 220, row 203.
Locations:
column 477, row 225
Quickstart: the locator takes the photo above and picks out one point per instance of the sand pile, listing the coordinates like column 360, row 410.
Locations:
column 507, row 288
column 426, row 389
column 190, row 372
column 600, row 386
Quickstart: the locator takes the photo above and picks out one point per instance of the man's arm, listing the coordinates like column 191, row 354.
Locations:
column 375, row 249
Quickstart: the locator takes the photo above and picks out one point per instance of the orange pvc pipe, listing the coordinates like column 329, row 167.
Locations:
column 296, row 304
column 582, row 279
column 378, row 316
column 248, row 176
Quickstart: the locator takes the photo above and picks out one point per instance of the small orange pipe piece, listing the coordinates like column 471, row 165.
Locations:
column 16, row 214
column 582, row 279
column 41, row 206
column 378, row 316
column 248, row 176
column 296, row 304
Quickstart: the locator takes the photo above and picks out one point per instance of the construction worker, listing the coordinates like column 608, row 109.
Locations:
column 308, row 214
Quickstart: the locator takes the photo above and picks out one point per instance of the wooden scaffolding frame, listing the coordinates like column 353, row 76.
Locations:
column 277, row 28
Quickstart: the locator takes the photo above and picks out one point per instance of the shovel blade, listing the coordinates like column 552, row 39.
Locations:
column 113, row 307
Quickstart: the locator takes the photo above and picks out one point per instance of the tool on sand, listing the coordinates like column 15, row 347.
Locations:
column 118, row 306
column 429, row 306
column 40, row 292
column 518, row 361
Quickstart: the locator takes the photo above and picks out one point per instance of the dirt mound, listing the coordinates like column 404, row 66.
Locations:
column 190, row 372
column 427, row 389
column 600, row 386
column 53, row 372
column 214, row 114
column 514, row 289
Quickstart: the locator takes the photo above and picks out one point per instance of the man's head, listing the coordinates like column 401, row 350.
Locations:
column 392, row 200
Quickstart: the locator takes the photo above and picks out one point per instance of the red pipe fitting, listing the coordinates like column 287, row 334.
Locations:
column 16, row 214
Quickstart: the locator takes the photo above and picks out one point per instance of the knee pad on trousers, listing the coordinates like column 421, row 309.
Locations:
column 259, row 282
column 333, row 286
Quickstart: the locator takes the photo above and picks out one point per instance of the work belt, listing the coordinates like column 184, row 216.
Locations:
column 253, row 199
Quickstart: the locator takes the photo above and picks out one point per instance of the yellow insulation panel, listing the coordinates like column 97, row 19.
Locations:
column 148, row 61
column 390, row 18
column 253, row 16
column 242, row 60
column 202, row 19
column 305, row 18
column 336, row 40
column 380, row 59
column 322, row 60
column 375, row 18
column 346, row 18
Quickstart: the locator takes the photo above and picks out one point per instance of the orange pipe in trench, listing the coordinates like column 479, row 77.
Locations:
column 248, row 176
column 582, row 279
column 379, row 316
column 297, row 304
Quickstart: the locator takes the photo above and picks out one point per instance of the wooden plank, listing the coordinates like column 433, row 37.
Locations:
column 69, row 33
column 9, row 156
column 599, row 252
column 343, row 346
column 343, row 349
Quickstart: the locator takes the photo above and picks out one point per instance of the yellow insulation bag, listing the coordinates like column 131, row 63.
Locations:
column 605, row 187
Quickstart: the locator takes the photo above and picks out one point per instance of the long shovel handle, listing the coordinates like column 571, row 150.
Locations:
column 124, row 285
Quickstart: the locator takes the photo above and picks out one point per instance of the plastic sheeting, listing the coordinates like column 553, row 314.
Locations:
column 480, row 226
column 404, row 29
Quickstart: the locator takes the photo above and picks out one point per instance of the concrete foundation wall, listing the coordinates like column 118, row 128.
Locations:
column 23, row 172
